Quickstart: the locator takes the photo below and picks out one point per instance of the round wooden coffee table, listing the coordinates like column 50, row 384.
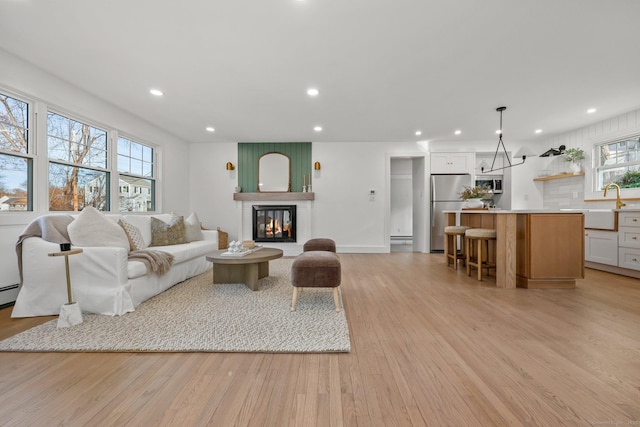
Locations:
column 246, row 269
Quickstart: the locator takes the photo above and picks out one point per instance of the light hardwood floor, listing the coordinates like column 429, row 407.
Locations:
column 430, row 346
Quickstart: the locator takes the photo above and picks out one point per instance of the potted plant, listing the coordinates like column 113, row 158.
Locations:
column 575, row 156
column 473, row 195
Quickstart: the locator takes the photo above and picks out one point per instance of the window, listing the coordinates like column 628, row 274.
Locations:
column 78, row 174
column 15, row 163
column 619, row 162
column 137, row 180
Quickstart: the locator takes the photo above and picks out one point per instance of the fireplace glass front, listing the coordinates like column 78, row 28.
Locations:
column 274, row 223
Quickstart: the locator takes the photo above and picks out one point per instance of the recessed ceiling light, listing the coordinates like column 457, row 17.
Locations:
column 156, row 92
column 318, row 128
column 210, row 129
column 591, row 110
column 313, row 92
column 418, row 132
column 538, row 130
column 458, row 132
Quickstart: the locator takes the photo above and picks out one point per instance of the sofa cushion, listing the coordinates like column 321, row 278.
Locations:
column 192, row 228
column 189, row 251
column 163, row 234
column 136, row 269
column 136, row 241
column 92, row 228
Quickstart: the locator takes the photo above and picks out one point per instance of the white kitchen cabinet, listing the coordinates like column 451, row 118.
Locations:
column 629, row 237
column 452, row 162
column 601, row 247
column 629, row 258
column 629, row 240
column 629, row 219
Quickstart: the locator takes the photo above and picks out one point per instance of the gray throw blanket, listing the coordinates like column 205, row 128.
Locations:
column 53, row 228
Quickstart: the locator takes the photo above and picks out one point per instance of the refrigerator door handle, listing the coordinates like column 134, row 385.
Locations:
column 433, row 217
column 433, row 188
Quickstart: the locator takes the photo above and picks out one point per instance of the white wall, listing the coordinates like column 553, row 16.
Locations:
column 421, row 210
column 211, row 186
column 21, row 78
column 342, row 209
column 401, row 197
column 563, row 192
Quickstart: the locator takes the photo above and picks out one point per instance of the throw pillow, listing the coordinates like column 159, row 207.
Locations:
column 192, row 229
column 136, row 242
column 143, row 223
column 163, row 234
column 92, row 228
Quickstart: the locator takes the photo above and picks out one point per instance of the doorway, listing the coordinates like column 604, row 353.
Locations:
column 407, row 206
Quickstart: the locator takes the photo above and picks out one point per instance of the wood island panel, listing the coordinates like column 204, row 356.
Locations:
column 503, row 252
column 533, row 250
column 550, row 250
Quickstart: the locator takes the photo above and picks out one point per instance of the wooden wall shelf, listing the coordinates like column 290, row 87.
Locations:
column 558, row 176
column 276, row 197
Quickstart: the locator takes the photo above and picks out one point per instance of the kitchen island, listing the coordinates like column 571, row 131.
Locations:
column 534, row 248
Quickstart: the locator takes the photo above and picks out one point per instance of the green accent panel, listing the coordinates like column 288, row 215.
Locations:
column 249, row 153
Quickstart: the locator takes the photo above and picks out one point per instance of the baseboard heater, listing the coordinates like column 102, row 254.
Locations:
column 402, row 240
column 8, row 295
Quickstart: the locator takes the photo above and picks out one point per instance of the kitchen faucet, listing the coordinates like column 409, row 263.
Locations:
column 619, row 203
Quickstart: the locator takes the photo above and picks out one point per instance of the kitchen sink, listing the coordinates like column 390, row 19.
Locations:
column 602, row 219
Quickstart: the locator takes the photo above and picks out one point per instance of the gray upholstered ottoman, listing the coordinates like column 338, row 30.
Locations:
column 320, row 244
column 316, row 269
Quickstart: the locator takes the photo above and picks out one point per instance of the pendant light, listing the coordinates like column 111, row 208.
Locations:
column 504, row 149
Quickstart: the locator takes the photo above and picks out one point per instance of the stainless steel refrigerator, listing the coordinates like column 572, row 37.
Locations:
column 444, row 197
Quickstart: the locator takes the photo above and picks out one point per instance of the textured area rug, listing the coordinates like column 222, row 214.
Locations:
column 197, row 316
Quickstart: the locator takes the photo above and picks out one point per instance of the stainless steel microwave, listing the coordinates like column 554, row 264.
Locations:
column 494, row 182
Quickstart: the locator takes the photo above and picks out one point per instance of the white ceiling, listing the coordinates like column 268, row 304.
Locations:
column 384, row 68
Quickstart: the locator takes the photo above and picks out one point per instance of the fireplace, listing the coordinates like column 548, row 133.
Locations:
column 274, row 223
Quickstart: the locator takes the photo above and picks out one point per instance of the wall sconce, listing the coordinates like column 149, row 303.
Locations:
column 554, row 151
column 316, row 166
column 230, row 166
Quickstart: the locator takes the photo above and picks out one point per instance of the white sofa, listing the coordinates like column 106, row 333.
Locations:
column 103, row 279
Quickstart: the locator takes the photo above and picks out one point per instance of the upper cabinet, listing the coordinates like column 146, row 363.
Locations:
column 486, row 159
column 452, row 162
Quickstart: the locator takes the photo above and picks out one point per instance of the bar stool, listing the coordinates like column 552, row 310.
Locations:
column 481, row 237
column 451, row 234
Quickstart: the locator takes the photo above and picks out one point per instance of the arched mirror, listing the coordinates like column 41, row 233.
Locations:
column 273, row 173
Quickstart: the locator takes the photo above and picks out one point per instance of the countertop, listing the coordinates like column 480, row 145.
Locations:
column 518, row 211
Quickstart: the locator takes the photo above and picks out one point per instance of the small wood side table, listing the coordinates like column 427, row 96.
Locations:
column 70, row 313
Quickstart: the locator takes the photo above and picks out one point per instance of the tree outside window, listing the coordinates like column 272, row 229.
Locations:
column 77, row 165
column 15, row 164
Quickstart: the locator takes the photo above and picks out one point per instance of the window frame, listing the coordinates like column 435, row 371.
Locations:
column 31, row 150
column 598, row 168
column 38, row 180
column 49, row 160
column 154, row 171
